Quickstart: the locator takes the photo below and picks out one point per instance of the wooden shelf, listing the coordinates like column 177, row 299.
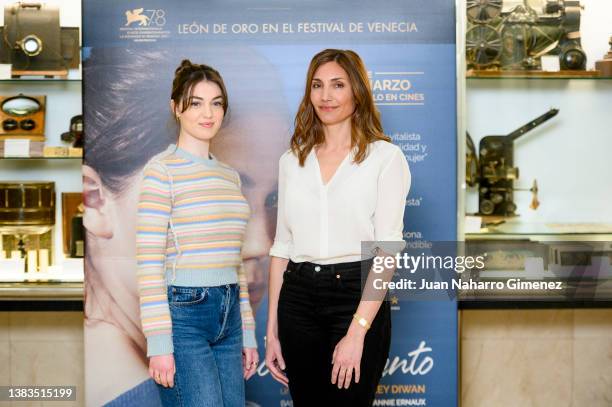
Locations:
column 499, row 74
column 60, row 73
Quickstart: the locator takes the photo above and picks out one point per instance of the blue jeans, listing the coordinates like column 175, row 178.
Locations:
column 207, row 337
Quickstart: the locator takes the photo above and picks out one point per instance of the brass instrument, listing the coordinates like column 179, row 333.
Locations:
column 27, row 216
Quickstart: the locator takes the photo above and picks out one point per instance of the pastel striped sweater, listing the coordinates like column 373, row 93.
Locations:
column 192, row 219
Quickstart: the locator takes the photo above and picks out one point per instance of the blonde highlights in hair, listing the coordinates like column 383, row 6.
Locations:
column 366, row 126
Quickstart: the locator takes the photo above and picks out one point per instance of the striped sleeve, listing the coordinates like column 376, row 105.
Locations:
column 248, row 321
column 154, row 209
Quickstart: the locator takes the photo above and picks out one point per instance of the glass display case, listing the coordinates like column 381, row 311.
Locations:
column 41, row 236
column 538, row 147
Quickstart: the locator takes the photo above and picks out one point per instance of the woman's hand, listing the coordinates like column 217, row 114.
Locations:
column 347, row 358
column 250, row 360
column 274, row 360
column 162, row 369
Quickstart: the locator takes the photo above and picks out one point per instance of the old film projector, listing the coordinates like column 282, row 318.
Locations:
column 34, row 43
column 492, row 171
column 518, row 38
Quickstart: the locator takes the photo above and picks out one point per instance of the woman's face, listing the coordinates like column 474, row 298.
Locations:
column 113, row 256
column 331, row 94
column 203, row 118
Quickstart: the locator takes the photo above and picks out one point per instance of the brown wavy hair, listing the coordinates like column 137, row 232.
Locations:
column 365, row 121
column 186, row 76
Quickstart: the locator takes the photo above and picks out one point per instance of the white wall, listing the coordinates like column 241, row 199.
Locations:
column 571, row 154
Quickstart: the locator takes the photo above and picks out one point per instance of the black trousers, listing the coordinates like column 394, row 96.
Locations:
column 316, row 307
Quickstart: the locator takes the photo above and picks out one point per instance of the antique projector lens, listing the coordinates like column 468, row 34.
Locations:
column 31, row 45
column 573, row 58
column 20, row 105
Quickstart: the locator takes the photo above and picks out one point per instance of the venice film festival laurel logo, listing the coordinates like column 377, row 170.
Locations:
column 133, row 16
column 139, row 17
column 144, row 25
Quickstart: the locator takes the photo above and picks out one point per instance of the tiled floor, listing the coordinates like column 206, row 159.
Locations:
column 508, row 358
column 536, row 358
column 42, row 348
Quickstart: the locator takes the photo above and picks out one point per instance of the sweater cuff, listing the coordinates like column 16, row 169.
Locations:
column 159, row 345
column 248, row 339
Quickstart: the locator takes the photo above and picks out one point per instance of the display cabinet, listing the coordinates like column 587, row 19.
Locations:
column 537, row 164
column 41, row 235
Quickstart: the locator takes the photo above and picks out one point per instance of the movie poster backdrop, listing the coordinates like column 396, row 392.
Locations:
column 262, row 49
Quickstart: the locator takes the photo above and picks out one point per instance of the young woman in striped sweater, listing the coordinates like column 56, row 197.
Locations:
column 192, row 218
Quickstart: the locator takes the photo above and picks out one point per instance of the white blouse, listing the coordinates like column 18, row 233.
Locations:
column 326, row 223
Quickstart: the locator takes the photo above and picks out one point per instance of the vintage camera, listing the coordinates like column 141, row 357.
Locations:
column 35, row 44
column 75, row 133
column 22, row 117
column 516, row 40
column 493, row 171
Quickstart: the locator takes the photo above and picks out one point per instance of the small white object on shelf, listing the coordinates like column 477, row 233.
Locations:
column 32, row 261
column 472, row 224
column 17, row 148
column 43, row 260
column 6, row 71
column 72, row 266
column 11, row 268
column 69, row 270
column 550, row 63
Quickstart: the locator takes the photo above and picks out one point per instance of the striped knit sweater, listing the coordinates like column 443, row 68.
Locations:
column 192, row 218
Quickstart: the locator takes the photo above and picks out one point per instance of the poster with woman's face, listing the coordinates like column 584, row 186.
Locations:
column 127, row 124
column 262, row 50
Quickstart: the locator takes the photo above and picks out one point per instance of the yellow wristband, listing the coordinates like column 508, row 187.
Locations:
column 361, row 321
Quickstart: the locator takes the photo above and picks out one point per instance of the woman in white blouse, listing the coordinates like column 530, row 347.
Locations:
column 342, row 183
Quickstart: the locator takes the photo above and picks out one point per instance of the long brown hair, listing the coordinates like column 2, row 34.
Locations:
column 365, row 121
column 186, row 76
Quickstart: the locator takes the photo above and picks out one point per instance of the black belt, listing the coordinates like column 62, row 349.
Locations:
column 338, row 267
